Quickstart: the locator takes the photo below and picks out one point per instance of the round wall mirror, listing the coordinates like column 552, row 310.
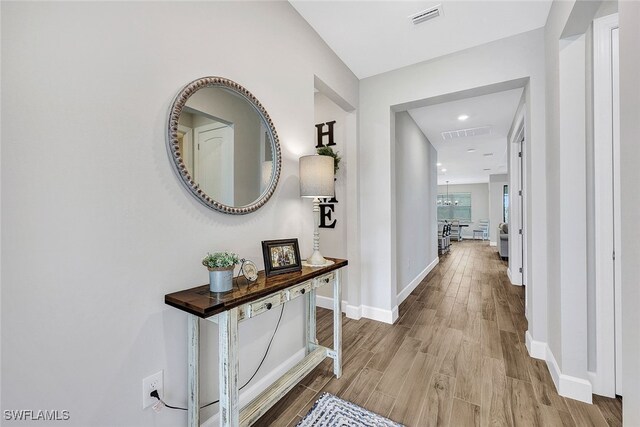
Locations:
column 224, row 145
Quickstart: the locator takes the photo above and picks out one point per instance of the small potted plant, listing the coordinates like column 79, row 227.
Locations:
column 328, row 151
column 220, row 266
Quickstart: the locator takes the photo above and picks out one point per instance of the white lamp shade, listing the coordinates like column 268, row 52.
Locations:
column 316, row 176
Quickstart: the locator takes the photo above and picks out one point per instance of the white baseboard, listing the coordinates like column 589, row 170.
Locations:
column 375, row 313
column 536, row 349
column 493, row 243
column 600, row 386
column 250, row 393
column 511, row 278
column 415, row 282
column 353, row 312
column 327, row 302
column 566, row 385
column 357, row 312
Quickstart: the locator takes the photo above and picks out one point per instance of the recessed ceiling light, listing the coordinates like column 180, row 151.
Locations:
column 444, row 170
column 471, row 150
column 438, row 164
column 463, row 117
column 488, row 154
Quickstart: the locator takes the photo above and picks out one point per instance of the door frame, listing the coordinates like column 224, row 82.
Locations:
column 606, row 379
column 518, row 203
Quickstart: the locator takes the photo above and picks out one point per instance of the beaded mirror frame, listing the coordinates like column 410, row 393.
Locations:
column 180, row 167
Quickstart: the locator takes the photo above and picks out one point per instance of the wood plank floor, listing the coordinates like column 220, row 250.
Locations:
column 455, row 357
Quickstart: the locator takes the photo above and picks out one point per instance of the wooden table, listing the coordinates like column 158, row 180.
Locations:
column 244, row 302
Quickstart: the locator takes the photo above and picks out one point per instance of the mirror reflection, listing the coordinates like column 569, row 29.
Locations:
column 226, row 146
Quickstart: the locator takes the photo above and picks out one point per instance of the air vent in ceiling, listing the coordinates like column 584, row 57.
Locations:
column 465, row 133
column 425, row 15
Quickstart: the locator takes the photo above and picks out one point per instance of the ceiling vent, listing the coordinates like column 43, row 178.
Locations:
column 425, row 15
column 466, row 133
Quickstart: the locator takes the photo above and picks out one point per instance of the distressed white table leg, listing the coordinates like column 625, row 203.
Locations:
column 310, row 299
column 228, row 368
column 337, row 324
column 193, row 354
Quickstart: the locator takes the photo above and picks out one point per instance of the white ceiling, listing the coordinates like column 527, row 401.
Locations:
column 462, row 167
column 373, row 37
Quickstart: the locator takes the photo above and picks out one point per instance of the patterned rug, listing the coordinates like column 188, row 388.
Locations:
column 331, row 411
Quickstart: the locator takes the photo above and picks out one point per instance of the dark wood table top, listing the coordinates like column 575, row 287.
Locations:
column 204, row 303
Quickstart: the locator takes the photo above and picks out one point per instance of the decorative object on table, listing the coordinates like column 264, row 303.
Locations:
column 328, row 151
column 281, row 256
column 316, row 181
column 220, row 266
column 249, row 270
column 191, row 147
column 331, row 411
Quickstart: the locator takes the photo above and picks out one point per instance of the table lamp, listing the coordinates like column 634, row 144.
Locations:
column 316, row 181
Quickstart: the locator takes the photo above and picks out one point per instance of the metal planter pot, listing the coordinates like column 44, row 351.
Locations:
column 221, row 279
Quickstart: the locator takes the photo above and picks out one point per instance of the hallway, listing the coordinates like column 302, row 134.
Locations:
column 456, row 356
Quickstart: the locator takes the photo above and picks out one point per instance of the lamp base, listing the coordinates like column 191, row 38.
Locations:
column 327, row 262
column 317, row 260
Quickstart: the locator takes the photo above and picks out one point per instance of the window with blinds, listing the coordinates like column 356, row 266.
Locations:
column 456, row 206
column 505, row 204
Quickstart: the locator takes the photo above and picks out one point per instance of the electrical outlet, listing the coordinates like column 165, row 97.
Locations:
column 152, row 382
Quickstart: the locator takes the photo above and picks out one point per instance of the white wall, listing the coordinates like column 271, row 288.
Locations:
column 96, row 226
column 629, row 15
column 570, row 190
column 479, row 202
column 496, row 184
column 416, row 191
column 518, row 57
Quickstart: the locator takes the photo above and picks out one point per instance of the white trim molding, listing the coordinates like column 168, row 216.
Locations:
column 248, row 394
column 510, row 276
column 536, row 349
column 357, row 312
column 379, row 314
column 353, row 312
column 403, row 294
column 566, row 385
column 327, row 302
column 607, row 219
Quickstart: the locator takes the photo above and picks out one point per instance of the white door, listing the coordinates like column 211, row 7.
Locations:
column 214, row 164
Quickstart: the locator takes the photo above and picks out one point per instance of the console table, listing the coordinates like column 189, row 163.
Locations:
column 244, row 302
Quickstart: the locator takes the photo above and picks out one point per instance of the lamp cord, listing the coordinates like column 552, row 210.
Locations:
column 155, row 392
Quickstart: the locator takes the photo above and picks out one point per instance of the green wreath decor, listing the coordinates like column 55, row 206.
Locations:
column 328, row 151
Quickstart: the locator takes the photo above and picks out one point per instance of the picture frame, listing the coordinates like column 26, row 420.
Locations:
column 281, row 256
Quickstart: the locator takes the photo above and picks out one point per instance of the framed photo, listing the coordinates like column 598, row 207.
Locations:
column 281, row 256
